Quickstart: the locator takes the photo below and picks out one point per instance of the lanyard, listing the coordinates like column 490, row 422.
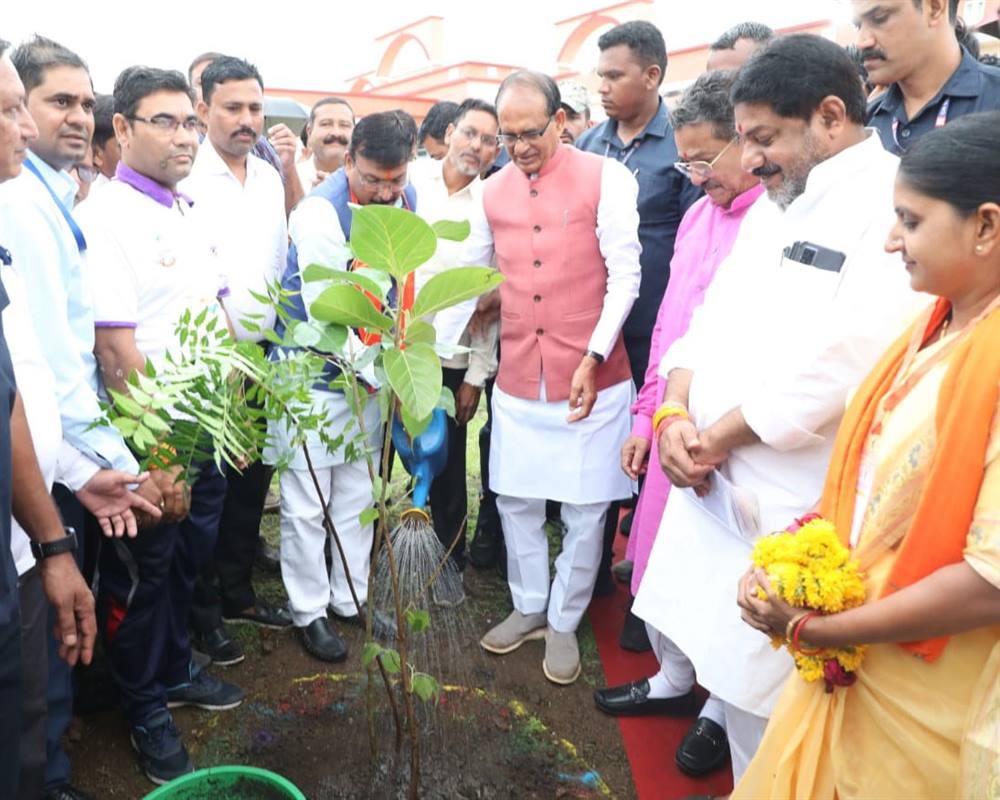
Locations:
column 625, row 154
column 939, row 122
column 81, row 243
column 5, row 258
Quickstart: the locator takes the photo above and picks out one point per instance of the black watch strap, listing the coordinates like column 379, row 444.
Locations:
column 43, row 550
column 595, row 355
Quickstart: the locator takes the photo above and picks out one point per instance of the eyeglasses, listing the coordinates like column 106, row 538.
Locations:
column 377, row 183
column 168, row 124
column 472, row 134
column 701, row 169
column 528, row 137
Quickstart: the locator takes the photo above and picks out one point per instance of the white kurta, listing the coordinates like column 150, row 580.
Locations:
column 786, row 343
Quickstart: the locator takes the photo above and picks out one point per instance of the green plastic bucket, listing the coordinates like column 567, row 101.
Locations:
column 228, row 783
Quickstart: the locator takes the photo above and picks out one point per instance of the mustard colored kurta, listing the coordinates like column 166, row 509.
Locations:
column 907, row 728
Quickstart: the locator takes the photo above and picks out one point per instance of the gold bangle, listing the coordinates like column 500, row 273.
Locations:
column 790, row 627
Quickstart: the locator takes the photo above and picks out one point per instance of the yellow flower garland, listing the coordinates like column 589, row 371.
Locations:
column 810, row 568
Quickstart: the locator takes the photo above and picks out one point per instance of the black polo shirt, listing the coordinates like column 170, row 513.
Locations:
column 8, row 572
column 972, row 87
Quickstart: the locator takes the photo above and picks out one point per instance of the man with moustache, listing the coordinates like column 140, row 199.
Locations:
column 810, row 300
column 451, row 189
column 910, row 47
column 374, row 172
column 278, row 148
column 49, row 252
column 150, row 263
column 327, row 135
column 240, row 200
column 555, row 217
column 576, row 104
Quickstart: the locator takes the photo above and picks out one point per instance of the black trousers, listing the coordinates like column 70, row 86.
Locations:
column 449, row 497
column 489, row 517
column 11, row 672
column 225, row 586
column 146, row 590
column 34, row 682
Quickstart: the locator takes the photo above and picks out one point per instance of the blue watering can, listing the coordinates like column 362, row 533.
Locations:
column 425, row 455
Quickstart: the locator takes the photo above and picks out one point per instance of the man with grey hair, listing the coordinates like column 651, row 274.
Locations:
column 705, row 134
column 736, row 45
column 554, row 217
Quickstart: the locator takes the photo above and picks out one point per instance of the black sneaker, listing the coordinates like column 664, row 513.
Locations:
column 218, row 645
column 66, row 792
column 161, row 752
column 263, row 615
column 207, row 692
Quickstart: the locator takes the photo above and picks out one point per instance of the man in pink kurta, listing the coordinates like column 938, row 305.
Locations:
column 706, row 141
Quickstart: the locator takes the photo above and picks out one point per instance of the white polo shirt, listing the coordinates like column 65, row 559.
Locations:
column 149, row 261
column 247, row 224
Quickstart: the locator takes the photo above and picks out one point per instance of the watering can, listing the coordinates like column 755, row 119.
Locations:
column 424, row 456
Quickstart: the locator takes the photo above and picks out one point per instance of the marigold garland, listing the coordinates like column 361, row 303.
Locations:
column 808, row 567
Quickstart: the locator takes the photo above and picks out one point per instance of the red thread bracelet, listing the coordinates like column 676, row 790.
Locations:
column 798, row 629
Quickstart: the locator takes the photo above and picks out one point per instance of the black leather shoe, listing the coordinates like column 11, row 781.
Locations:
column 263, row 615
column 632, row 700
column 633, row 636
column 220, row 647
column 382, row 626
column 322, row 641
column 66, row 792
column 486, row 546
column 703, row 749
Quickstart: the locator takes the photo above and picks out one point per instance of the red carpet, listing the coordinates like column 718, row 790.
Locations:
column 650, row 742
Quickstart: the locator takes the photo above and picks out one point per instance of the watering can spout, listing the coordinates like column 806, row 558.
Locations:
column 424, row 456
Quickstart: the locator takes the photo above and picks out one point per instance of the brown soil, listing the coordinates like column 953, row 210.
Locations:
column 503, row 731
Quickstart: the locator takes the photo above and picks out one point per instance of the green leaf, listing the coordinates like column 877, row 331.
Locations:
column 368, row 516
column 369, row 652
column 380, row 277
column 420, row 331
column 346, row 305
column 125, row 425
column 447, row 401
column 154, row 423
column 390, row 660
column 415, row 377
column 425, row 687
column 392, row 239
column 453, row 286
column 125, row 404
column 452, row 230
column 418, row 619
column 305, row 335
column 332, row 339
column 414, row 427
column 317, row 272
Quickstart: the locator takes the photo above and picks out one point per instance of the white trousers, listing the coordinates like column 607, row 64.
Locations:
column 348, row 491
column 744, row 730
column 523, row 521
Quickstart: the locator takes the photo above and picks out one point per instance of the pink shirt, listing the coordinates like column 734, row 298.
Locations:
column 704, row 239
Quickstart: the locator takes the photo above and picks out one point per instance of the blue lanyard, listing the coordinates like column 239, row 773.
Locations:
column 81, row 243
column 5, row 258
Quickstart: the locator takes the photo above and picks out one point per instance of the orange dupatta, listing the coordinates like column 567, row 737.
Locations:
column 966, row 404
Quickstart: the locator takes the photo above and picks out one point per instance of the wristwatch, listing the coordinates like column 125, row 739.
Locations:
column 43, row 550
column 595, row 355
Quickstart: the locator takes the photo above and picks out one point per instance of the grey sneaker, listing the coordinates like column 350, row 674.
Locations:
column 514, row 631
column 562, row 657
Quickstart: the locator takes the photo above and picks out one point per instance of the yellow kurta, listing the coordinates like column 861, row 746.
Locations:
column 906, row 728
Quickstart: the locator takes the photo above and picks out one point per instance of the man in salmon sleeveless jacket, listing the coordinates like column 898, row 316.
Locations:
column 564, row 227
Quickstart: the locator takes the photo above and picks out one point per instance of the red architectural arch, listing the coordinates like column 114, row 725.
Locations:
column 392, row 51
column 580, row 34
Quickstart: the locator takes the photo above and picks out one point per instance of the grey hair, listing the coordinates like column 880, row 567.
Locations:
column 707, row 100
column 755, row 31
column 538, row 81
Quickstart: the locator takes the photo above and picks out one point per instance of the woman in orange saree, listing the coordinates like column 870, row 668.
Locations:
column 914, row 488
